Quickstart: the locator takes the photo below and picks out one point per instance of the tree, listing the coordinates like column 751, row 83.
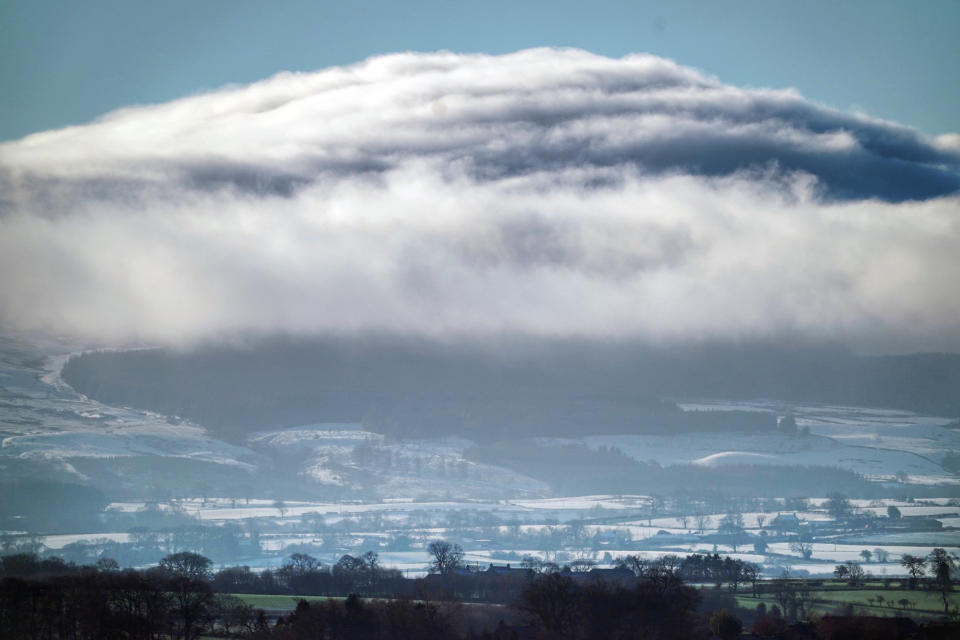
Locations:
column 854, row 573
column 447, row 556
column 582, row 565
column 725, row 625
column 752, row 574
column 941, row 564
column 915, row 567
column 882, row 555
column 802, row 546
column 784, row 593
column 761, row 518
column 731, row 524
column 838, row 506
column 186, row 565
column 841, row 571
column 553, row 599
column 280, row 506
column 634, row 563
column 371, row 569
column 186, row 581
column 301, row 564
column 107, row 565
column 235, row 616
column 893, row 513
column 703, row 521
column 866, row 554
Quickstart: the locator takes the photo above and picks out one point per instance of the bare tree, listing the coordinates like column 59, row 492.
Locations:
column 941, row 564
column 637, row 564
column 186, row 577
column 582, row 565
column 447, row 556
column 850, row 571
column 703, row 521
column 302, row 564
column 803, row 547
column 838, row 506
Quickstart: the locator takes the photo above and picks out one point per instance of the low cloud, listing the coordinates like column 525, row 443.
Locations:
column 545, row 192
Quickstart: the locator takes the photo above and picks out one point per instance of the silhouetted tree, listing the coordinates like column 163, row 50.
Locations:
column 915, row 567
column 447, row 556
column 941, row 565
column 725, row 625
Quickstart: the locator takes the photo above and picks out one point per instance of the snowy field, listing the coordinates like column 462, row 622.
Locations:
column 420, row 486
column 354, row 527
column 43, row 418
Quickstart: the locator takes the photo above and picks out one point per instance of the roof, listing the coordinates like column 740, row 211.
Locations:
column 506, row 570
column 786, row 518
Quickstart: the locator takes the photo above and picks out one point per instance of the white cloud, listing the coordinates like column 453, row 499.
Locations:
column 546, row 192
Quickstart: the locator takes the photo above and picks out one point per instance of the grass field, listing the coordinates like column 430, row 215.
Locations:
column 920, row 604
column 826, row 598
column 277, row 602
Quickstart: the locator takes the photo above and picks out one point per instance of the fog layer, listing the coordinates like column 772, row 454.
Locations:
column 545, row 192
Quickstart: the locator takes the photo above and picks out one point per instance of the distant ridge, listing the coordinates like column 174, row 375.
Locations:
column 485, row 391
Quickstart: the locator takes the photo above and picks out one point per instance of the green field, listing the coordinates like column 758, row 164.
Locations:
column 825, row 599
column 277, row 602
column 833, row 600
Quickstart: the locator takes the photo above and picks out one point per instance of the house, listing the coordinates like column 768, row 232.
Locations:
column 666, row 538
column 507, row 570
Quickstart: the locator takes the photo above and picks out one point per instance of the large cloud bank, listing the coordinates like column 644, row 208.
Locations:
column 546, row 192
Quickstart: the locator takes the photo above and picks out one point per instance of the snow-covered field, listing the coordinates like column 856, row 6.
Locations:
column 884, row 436
column 877, row 443
column 43, row 418
column 422, row 486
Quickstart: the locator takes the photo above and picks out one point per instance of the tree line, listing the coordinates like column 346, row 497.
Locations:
column 184, row 598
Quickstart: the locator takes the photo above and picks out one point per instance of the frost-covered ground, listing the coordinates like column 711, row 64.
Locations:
column 420, row 487
column 485, row 528
column 43, row 419
column 883, row 436
column 877, row 443
column 345, row 454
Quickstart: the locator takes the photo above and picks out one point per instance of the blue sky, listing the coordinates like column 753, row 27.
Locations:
column 66, row 63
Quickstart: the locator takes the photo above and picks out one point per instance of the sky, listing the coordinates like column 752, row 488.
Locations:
column 549, row 177
column 67, row 63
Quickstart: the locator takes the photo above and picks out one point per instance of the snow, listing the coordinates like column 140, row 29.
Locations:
column 60, row 541
column 584, row 502
column 735, row 457
column 877, row 443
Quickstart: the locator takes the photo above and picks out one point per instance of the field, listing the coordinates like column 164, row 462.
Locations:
column 277, row 603
column 824, row 599
column 835, row 598
column 346, row 489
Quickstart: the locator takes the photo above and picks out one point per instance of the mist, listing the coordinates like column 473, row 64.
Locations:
column 550, row 192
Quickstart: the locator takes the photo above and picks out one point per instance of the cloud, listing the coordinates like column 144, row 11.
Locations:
column 547, row 192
